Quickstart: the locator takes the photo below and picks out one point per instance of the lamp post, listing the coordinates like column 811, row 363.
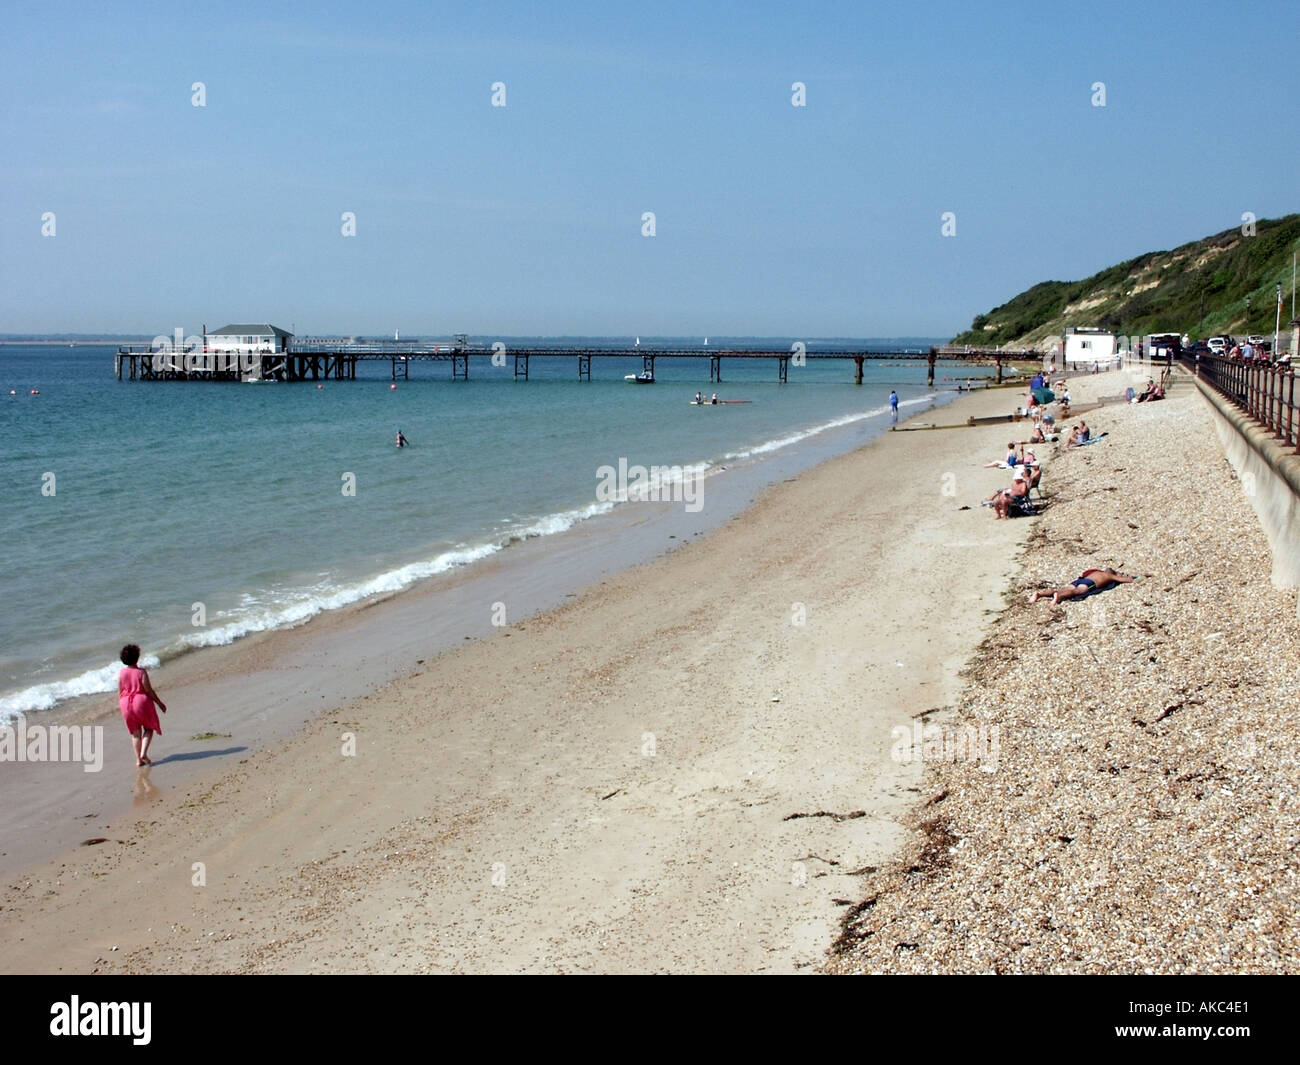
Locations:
column 1248, row 319
column 1277, row 320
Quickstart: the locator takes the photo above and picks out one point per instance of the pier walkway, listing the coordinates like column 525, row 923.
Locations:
column 317, row 360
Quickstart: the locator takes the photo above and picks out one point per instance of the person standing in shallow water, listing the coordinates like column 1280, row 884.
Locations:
column 136, row 699
column 893, row 405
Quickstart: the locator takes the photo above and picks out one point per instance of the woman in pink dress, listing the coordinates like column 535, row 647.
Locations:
column 136, row 698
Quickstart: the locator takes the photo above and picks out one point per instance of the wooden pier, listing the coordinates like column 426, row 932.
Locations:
column 327, row 361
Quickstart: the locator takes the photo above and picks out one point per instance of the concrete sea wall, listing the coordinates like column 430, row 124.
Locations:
column 1270, row 475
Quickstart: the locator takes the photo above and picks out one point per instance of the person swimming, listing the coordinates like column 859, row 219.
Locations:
column 401, row 440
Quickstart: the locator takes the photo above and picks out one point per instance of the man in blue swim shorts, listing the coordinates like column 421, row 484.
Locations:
column 1092, row 580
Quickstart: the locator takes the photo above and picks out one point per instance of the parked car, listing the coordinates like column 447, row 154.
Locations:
column 1219, row 345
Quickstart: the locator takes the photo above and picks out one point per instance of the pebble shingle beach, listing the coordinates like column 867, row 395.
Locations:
column 1139, row 813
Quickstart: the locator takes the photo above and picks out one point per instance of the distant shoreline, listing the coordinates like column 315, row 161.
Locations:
column 73, row 342
column 80, row 340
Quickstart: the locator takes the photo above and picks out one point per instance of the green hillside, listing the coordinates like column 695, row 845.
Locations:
column 1199, row 288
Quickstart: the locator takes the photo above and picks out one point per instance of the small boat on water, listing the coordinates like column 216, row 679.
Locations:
column 645, row 377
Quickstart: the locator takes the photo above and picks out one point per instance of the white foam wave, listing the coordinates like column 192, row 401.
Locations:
column 263, row 612
column 835, row 423
column 557, row 523
column 43, row 696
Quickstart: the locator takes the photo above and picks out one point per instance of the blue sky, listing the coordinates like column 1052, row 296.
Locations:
column 822, row 220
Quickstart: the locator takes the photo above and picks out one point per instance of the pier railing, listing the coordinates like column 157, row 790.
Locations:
column 1265, row 392
column 315, row 359
column 313, row 345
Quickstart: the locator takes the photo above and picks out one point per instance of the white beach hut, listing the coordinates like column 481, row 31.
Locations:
column 247, row 338
column 1084, row 347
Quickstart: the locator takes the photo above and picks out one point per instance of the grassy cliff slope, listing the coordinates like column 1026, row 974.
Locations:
column 1199, row 288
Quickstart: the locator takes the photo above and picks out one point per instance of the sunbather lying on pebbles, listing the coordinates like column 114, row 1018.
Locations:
column 1092, row 580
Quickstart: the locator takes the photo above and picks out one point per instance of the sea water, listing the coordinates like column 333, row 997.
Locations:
column 183, row 514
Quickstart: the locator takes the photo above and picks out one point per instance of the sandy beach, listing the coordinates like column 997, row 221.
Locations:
column 687, row 768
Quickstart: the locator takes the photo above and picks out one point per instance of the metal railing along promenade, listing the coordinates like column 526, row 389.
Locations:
column 1264, row 391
